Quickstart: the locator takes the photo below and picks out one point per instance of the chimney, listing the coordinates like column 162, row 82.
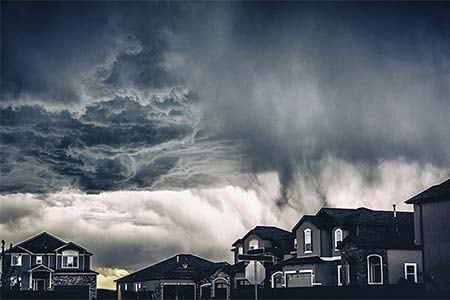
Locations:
column 394, row 210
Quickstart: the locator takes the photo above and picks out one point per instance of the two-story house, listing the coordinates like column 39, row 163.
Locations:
column 351, row 246
column 45, row 262
column 431, row 223
column 275, row 241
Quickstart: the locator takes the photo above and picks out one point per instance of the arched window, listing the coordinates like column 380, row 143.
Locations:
column 337, row 238
column 374, row 269
column 253, row 244
column 307, row 241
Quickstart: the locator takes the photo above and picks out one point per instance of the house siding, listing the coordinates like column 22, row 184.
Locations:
column 436, row 244
column 396, row 260
column 315, row 234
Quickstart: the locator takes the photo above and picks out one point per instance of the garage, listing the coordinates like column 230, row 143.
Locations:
column 299, row 279
column 179, row 292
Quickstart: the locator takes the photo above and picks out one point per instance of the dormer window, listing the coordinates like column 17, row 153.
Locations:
column 70, row 259
column 39, row 259
column 307, row 241
column 253, row 244
column 241, row 250
column 337, row 238
column 16, row 260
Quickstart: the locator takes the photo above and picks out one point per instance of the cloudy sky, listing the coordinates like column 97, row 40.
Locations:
column 147, row 129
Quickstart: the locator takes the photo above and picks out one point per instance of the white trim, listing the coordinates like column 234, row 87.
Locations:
column 307, row 230
column 406, row 265
column 368, row 269
column 272, row 279
column 214, row 286
column 339, row 279
column 33, row 236
column 202, row 286
column 41, row 265
column 335, row 238
column 331, row 258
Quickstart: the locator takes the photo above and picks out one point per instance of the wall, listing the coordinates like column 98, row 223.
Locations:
column 315, row 239
column 396, row 260
column 436, row 243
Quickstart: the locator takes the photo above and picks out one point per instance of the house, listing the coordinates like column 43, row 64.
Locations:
column 275, row 241
column 46, row 262
column 431, row 223
column 351, row 247
column 183, row 276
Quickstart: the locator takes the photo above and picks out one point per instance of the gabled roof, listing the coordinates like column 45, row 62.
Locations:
column 181, row 266
column 41, row 268
column 271, row 233
column 329, row 217
column 438, row 192
column 72, row 246
column 45, row 242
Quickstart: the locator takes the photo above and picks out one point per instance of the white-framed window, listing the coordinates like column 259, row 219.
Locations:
column 295, row 243
column 411, row 272
column 337, row 238
column 307, row 241
column 374, row 269
column 70, row 259
column 125, row 286
column 253, row 244
column 137, row 286
column 39, row 259
column 347, row 267
column 339, row 278
column 16, row 260
column 241, row 250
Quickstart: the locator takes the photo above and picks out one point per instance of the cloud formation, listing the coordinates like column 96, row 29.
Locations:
column 245, row 112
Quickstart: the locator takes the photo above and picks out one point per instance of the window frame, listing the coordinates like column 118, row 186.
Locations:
column 241, row 250
column 250, row 242
column 339, row 276
column 19, row 260
column 338, row 230
column 305, row 232
column 39, row 259
column 70, row 254
column 406, row 265
column 369, row 277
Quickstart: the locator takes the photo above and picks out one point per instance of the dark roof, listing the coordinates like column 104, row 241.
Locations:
column 301, row 260
column 45, row 242
column 387, row 240
column 438, row 192
column 271, row 233
column 181, row 266
column 330, row 217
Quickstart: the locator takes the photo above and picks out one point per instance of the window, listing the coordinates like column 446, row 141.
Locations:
column 70, row 259
column 242, row 282
column 295, row 243
column 337, row 238
column 39, row 259
column 411, row 272
column 137, row 286
column 307, row 245
column 16, row 260
column 339, row 280
column 375, row 269
column 253, row 244
column 125, row 287
column 241, row 250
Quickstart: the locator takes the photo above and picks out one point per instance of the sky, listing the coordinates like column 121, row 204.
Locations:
column 145, row 129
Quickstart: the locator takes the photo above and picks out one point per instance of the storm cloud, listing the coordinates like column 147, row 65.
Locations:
column 116, row 115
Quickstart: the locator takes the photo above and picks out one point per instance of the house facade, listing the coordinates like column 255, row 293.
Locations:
column 272, row 240
column 431, row 223
column 339, row 247
column 46, row 262
column 183, row 276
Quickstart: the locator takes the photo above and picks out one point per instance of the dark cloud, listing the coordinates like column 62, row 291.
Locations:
column 166, row 95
